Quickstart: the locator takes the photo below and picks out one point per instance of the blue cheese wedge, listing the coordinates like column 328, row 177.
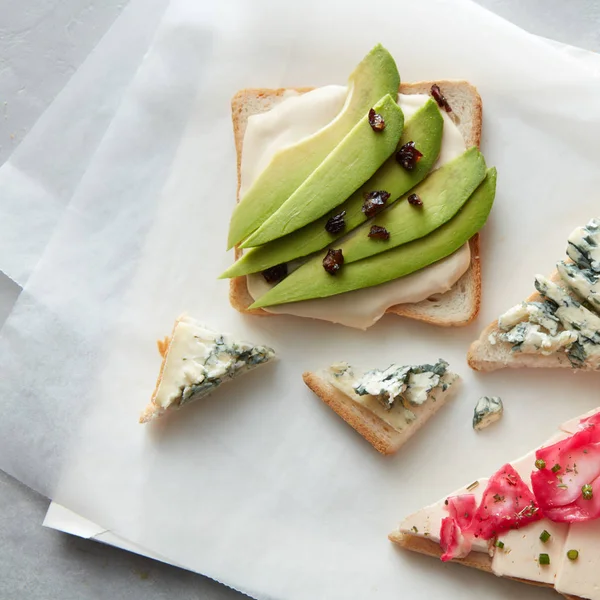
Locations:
column 567, row 319
column 395, row 393
column 197, row 360
column 488, row 410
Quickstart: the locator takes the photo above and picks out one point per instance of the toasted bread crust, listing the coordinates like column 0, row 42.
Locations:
column 475, row 560
column 427, row 311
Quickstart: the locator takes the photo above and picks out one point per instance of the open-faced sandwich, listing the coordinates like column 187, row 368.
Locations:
column 355, row 201
column 385, row 406
column 536, row 519
column 195, row 362
column 559, row 325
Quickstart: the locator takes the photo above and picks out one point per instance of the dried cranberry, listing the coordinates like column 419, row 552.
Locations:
column 408, row 156
column 374, row 202
column 376, row 121
column 415, row 200
column 336, row 223
column 333, row 261
column 439, row 97
column 379, row 233
column 275, row 274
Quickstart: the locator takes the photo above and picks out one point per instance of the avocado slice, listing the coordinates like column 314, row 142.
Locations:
column 374, row 77
column 354, row 160
column 312, row 281
column 443, row 192
column 425, row 128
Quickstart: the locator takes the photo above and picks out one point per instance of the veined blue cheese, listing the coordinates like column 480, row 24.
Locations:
column 528, row 338
column 584, row 282
column 392, row 392
column 488, row 410
column 584, row 246
column 541, row 313
column 198, row 360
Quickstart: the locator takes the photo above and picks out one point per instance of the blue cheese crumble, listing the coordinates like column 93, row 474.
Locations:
column 488, row 410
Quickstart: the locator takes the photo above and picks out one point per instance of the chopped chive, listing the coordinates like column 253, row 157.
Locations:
column 587, row 491
column 544, row 559
column 499, row 544
column 544, row 536
column 540, row 463
column 573, row 554
column 473, row 486
column 556, row 468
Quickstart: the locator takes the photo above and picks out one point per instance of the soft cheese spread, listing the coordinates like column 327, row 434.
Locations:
column 198, row 360
column 299, row 116
column 399, row 394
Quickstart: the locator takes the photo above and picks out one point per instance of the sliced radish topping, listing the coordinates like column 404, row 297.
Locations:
column 452, row 541
column 507, row 503
column 462, row 508
column 568, row 487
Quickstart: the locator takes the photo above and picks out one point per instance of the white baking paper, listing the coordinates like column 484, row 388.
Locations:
column 262, row 486
column 38, row 181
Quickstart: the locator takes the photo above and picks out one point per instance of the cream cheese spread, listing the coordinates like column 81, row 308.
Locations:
column 299, row 116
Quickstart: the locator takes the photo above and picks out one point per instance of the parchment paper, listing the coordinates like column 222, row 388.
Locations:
column 262, row 486
column 39, row 179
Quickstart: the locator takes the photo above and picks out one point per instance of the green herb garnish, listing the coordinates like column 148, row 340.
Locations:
column 540, row 463
column 499, row 544
column 544, row 536
column 573, row 554
column 556, row 468
column 587, row 491
column 544, row 559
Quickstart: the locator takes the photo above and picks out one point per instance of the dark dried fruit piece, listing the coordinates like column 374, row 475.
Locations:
column 439, row 97
column 376, row 121
column 336, row 223
column 415, row 200
column 379, row 233
column 333, row 261
column 374, row 202
column 275, row 274
column 408, row 156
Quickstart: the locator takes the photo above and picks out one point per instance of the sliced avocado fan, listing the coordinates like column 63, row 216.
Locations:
column 374, row 77
column 312, row 281
column 425, row 128
column 352, row 162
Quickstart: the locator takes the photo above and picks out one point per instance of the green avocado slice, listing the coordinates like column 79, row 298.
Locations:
column 425, row 128
column 352, row 162
column 312, row 281
column 443, row 192
column 374, row 77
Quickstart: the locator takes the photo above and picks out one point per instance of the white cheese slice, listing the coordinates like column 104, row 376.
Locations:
column 427, row 521
column 581, row 577
column 572, row 426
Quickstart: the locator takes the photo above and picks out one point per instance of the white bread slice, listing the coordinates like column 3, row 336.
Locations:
column 485, row 356
column 376, row 431
column 457, row 307
column 476, row 560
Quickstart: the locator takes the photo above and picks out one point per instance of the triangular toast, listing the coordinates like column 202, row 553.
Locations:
column 517, row 553
column 560, row 323
column 197, row 360
column 376, row 427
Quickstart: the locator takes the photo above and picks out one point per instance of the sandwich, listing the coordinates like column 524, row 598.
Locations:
column 388, row 406
column 356, row 201
column 195, row 362
column 536, row 520
column 558, row 325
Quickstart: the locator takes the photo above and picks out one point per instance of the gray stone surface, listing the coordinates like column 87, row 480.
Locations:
column 38, row 563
